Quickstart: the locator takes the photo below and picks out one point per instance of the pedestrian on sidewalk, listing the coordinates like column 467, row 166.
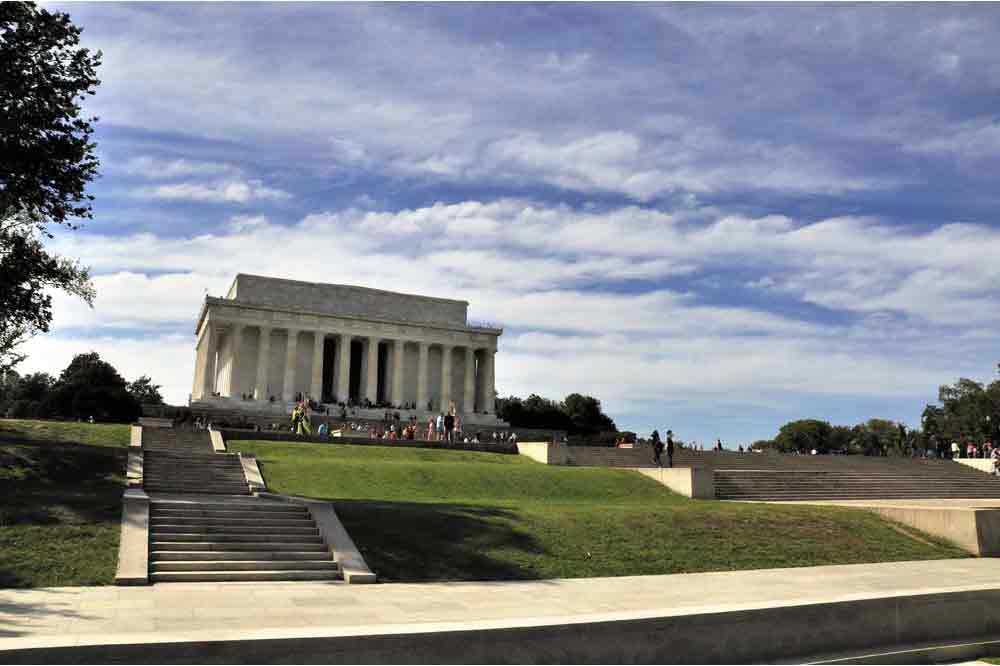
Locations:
column 657, row 448
column 670, row 448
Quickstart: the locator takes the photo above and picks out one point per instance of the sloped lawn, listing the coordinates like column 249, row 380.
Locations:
column 60, row 502
column 422, row 515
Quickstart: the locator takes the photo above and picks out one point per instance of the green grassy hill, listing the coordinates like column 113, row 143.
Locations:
column 60, row 502
column 421, row 514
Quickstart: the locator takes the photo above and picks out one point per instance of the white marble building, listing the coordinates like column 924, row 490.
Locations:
column 275, row 338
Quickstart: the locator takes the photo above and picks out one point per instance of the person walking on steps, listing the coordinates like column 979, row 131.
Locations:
column 657, row 448
column 670, row 448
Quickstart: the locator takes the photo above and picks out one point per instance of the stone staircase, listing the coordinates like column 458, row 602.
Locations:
column 776, row 477
column 183, row 461
column 944, row 480
column 205, row 526
column 235, row 539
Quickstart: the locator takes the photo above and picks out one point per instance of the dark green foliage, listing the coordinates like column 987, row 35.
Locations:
column 92, row 387
column 145, row 391
column 576, row 414
column 46, row 160
column 804, row 435
column 87, row 387
column 28, row 275
column 46, row 153
column 969, row 412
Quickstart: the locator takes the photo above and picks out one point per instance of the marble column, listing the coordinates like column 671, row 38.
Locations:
column 445, row 377
column 344, row 368
column 208, row 379
column 236, row 341
column 422, row 351
column 469, row 401
column 316, row 385
column 489, row 395
column 263, row 363
column 371, row 385
column 397, row 371
column 291, row 354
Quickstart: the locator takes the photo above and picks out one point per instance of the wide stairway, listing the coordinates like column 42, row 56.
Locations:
column 777, row 477
column 183, row 461
column 235, row 539
column 941, row 480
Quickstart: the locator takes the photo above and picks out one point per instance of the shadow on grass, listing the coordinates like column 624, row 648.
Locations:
column 409, row 541
column 67, row 487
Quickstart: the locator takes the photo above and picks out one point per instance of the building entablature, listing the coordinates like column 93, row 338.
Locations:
column 222, row 312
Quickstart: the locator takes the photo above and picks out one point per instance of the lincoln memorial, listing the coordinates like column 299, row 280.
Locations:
column 270, row 340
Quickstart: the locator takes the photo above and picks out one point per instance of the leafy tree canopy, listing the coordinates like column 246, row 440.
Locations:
column 577, row 414
column 145, row 391
column 47, row 158
column 46, row 153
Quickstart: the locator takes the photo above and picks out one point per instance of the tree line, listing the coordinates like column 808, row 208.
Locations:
column 966, row 412
column 87, row 387
column 576, row 414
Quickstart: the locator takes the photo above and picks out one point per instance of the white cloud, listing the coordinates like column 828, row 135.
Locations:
column 155, row 168
column 561, row 280
column 230, row 191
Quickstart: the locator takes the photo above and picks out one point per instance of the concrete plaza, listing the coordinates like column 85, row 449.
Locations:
column 707, row 616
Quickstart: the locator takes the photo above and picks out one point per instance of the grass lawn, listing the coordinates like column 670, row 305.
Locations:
column 422, row 514
column 60, row 502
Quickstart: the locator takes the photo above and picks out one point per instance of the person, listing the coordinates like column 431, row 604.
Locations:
column 439, row 426
column 430, row 429
column 449, row 427
column 657, row 448
column 670, row 448
column 513, row 438
column 740, row 449
column 955, row 451
column 995, row 456
column 322, row 430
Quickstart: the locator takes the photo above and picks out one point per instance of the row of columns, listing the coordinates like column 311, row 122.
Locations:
column 344, row 360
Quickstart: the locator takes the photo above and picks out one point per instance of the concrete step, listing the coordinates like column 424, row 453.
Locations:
column 244, row 565
column 220, row 537
column 209, row 523
column 314, row 544
column 227, row 576
column 173, row 528
column 226, row 513
column 244, row 555
column 198, row 489
column 241, row 504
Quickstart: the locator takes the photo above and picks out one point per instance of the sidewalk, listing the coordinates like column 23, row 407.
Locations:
column 170, row 613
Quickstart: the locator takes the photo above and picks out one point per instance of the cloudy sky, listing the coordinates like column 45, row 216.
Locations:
column 713, row 218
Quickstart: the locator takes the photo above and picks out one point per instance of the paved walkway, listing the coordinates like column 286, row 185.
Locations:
column 171, row 612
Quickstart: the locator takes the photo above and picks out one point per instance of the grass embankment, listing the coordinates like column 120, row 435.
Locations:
column 60, row 502
column 421, row 514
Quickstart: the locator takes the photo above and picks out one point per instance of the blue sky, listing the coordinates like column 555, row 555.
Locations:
column 715, row 218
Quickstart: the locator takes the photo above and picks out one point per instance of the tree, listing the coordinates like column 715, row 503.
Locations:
column 804, row 435
column 46, row 153
column 577, row 414
column 47, row 158
column 27, row 275
column 585, row 414
column 89, row 387
column 145, row 391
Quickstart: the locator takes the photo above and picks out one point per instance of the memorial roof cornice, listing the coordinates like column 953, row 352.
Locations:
column 228, row 302
column 349, row 286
